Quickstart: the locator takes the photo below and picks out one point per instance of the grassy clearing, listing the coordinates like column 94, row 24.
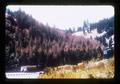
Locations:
column 92, row 69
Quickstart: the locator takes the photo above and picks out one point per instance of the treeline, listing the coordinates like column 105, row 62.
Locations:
column 104, row 25
column 31, row 43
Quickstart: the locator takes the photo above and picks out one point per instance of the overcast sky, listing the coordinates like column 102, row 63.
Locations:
column 66, row 16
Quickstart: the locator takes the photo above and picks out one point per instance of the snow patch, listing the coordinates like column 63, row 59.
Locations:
column 93, row 34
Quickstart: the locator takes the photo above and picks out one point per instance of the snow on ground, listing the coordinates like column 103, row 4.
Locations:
column 108, row 40
column 112, row 39
column 93, row 34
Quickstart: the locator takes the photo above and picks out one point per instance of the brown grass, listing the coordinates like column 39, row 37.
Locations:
column 92, row 69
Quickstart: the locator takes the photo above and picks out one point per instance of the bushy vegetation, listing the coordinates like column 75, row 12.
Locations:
column 31, row 43
column 105, row 70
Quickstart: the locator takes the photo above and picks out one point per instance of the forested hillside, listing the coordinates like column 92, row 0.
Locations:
column 29, row 42
column 104, row 25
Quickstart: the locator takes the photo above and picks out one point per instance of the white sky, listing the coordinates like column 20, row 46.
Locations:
column 64, row 16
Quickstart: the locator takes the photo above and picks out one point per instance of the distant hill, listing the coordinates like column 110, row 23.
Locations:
column 93, row 34
column 101, row 31
column 104, row 25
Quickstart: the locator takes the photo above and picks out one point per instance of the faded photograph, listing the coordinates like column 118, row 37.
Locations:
column 59, row 42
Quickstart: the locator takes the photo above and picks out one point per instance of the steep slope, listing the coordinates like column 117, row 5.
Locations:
column 32, row 43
